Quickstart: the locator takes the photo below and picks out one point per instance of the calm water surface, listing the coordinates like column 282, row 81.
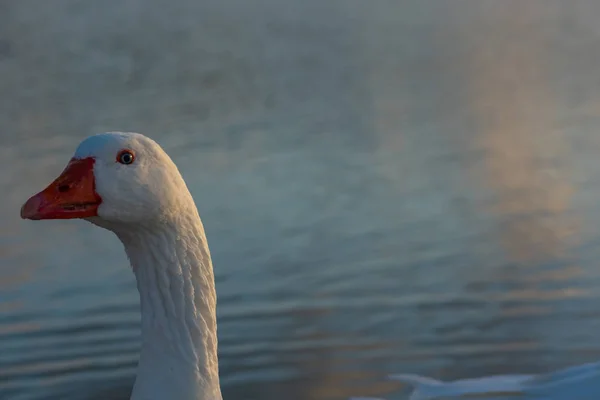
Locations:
column 386, row 186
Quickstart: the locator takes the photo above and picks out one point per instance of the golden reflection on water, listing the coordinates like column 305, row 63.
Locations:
column 526, row 154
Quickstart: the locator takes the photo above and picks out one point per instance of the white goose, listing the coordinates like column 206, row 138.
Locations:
column 580, row 382
column 126, row 183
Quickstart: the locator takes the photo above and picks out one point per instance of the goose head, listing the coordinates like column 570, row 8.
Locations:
column 114, row 180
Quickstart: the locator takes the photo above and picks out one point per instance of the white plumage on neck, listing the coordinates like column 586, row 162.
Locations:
column 174, row 273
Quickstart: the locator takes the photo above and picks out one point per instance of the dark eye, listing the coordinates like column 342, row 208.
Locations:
column 125, row 157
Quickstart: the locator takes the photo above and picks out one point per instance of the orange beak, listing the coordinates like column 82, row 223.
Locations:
column 71, row 195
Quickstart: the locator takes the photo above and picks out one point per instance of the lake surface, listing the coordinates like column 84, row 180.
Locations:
column 408, row 186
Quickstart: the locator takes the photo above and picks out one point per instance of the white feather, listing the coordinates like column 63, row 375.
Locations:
column 580, row 382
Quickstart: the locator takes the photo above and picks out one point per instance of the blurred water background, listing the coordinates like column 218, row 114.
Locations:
column 386, row 186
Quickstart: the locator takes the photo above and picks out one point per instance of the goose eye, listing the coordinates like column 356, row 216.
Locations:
column 125, row 157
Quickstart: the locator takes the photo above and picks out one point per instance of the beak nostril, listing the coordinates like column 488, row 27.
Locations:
column 63, row 188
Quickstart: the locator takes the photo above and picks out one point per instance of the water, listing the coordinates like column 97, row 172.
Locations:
column 404, row 186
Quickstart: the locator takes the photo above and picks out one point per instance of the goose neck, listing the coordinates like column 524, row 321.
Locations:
column 174, row 274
